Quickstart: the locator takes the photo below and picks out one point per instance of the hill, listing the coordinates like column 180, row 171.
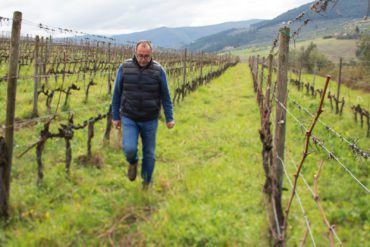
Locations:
column 332, row 48
column 343, row 9
column 178, row 37
column 333, row 20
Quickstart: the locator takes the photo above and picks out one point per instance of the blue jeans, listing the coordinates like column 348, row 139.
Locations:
column 130, row 136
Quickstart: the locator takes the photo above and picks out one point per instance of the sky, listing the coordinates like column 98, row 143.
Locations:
column 109, row 17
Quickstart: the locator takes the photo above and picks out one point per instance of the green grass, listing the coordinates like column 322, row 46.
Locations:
column 207, row 183
column 199, row 195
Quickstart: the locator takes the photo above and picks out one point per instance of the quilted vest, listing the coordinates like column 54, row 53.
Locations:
column 141, row 96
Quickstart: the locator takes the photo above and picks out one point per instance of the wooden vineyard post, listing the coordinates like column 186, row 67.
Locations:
column 10, row 110
column 183, row 93
column 280, row 124
column 338, row 90
column 36, row 78
column 109, row 84
column 3, row 163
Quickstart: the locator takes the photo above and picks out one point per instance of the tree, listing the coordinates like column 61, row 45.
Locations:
column 309, row 57
column 357, row 30
column 363, row 50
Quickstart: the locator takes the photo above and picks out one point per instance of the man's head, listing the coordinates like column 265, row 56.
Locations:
column 143, row 52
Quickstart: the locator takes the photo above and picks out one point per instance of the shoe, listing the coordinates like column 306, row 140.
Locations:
column 146, row 185
column 132, row 171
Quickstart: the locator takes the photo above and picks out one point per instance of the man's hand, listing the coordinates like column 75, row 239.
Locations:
column 170, row 125
column 116, row 123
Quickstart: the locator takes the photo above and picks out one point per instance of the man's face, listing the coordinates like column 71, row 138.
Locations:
column 143, row 54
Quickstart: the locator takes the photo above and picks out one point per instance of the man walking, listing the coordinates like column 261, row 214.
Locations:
column 140, row 89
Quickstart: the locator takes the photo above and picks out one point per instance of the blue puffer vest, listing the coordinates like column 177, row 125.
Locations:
column 141, row 87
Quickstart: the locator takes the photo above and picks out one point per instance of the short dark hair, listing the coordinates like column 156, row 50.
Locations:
column 147, row 42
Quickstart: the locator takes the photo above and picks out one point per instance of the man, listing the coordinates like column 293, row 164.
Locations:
column 140, row 89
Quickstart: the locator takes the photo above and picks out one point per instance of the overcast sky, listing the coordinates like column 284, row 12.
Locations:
column 123, row 16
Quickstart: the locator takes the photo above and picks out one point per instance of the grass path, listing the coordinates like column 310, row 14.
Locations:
column 210, row 163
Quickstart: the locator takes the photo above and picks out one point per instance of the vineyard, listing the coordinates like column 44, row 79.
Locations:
column 315, row 148
column 252, row 161
column 66, row 74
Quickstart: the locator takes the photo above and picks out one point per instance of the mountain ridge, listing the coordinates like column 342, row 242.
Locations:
column 177, row 37
column 342, row 12
column 238, row 34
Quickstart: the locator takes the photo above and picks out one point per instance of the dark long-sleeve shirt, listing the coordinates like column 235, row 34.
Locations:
column 165, row 95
